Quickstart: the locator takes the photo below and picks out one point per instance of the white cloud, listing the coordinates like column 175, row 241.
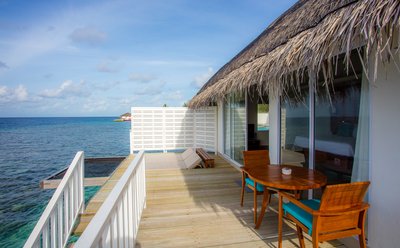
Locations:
column 172, row 63
column 200, row 80
column 32, row 42
column 54, row 31
column 141, row 78
column 106, row 67
column 104, row 86
column 48, row 75
column 3, row 65
column 51, row 28
column 19, row 94
column 3, row 91
column 171, row 98
column 88, row 36
column 151, row 89
column 67, row 89
column 174, row 95
column 96, row 105
column 128, row 101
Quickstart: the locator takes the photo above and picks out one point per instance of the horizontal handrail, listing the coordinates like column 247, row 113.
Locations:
column 55, row 225
column 117, row 221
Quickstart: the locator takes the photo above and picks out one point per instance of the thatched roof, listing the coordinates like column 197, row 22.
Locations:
column 310, row 35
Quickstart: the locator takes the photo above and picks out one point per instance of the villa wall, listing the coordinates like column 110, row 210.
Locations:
column 384, row 214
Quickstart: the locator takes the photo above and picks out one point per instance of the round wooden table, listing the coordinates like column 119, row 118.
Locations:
column 271, row 176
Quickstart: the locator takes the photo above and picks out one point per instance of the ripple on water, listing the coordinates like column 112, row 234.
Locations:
column 33, row 148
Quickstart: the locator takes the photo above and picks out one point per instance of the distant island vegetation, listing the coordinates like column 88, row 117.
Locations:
column 124, row 117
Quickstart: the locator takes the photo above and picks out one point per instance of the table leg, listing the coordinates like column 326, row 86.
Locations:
column 297, row 194
column 255, row 202
column 266, row 197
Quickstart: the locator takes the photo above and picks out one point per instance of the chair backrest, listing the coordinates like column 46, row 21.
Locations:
column 343, row 199
column 255, row 158
column 343, row 196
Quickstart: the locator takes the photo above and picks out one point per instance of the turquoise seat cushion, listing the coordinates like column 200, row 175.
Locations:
column 300, row 214
column 251, row 183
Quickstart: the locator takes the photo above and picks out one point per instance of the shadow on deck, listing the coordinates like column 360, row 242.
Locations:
column 201, row 208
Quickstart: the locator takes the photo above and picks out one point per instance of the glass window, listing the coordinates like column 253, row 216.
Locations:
column 336, row 121
column 227, row 128
column 340, row 134
column 262, row 117
column 295, row 114
column 341, row 130
column 235, row 127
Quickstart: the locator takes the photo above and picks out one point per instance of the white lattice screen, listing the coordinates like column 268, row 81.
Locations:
column 167, row 128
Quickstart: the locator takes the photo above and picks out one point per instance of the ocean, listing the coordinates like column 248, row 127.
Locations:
column 34, row 148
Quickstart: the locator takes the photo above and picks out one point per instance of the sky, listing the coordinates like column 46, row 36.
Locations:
column 100, row 58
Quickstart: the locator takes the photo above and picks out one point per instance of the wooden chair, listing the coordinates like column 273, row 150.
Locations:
column 253, row 159
column 340, row 213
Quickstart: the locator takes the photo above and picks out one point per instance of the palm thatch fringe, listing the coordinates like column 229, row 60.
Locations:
column 371, row 24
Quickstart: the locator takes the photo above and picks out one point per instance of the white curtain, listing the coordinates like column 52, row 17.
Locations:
column 361, row 156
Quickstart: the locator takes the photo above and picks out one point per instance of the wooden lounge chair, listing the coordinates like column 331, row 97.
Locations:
column 190, row 158
column 253, row 159
column 340, row 213
column 205, row 157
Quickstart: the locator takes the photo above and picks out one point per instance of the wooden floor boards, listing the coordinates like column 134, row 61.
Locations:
column 98, row 199
column 201, row 208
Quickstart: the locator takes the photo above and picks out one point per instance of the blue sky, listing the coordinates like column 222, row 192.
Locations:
column 99, row 58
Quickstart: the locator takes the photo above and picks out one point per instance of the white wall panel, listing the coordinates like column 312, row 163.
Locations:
column 173, row 128
column 384, row 214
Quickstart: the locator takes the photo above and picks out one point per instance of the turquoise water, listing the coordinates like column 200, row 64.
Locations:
column 262, row 128
column 33, row 148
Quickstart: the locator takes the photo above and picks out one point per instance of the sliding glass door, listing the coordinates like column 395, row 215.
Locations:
column 295, row 115
column 340, row 118
column 336, row 121
column 235, row 127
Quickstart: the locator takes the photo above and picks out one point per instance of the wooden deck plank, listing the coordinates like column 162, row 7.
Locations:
column 201, row 208
column 98, row 199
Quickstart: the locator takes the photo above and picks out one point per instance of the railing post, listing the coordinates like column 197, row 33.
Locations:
column 82, row 185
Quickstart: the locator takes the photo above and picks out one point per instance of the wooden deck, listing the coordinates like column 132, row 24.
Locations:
column 98, row 199
column 201, row 208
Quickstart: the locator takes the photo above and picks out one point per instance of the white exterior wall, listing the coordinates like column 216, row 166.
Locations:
column 274, row 130
column 384, row 214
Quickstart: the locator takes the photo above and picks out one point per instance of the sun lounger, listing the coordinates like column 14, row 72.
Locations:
column 191, row 159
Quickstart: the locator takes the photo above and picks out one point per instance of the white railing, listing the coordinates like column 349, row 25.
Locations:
column 117, row 221
column 172, row 128
column 55, row 225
